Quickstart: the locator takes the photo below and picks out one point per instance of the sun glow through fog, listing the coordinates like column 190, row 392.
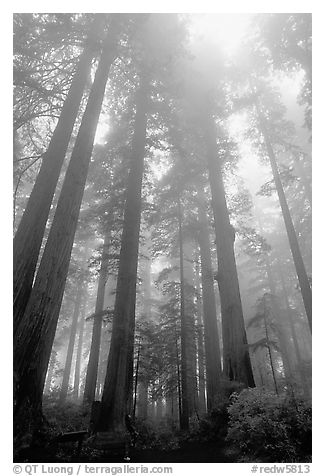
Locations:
column 226, row 30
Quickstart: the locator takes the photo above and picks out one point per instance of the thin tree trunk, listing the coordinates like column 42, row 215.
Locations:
column 269, row 350
column 200, row 345
column 292, row 237
column 305, row 386
column 179, row 387
column 73, row 333
column 142, row 406
column 184, row 416
column 117, row 386
column 282, row 333
column 211, row 334
column 143, row 400
column 76, row 385
column 136, row 379
column 190, row 318
column 28, row 238
column 50, row 372
column 236, row 359
column 36, row 333
column 92, row 369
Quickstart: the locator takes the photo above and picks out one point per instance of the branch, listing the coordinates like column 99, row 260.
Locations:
column 18, row 182
column 30, row 157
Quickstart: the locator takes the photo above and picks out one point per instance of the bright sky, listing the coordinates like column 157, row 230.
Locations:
column 225, row 29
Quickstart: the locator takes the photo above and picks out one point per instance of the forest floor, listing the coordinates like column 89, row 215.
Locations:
column 187, row 453
column 156, row 443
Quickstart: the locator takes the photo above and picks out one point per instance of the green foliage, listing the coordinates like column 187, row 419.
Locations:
column 270, row 428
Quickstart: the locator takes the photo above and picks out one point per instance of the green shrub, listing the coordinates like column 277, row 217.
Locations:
column 270, row 428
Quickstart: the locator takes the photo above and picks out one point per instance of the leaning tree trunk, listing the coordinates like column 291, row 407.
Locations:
column 72, row 339
column 28, row 238
column 292, row 237
column 92, row 369
column 117, row 385
column 236, row 359
column 76, row 384
column 36, row 332
column 211, row 334
column 184, row 415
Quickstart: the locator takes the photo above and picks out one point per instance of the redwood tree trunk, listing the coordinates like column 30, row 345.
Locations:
column 50, row 372
column 92, row 369
column 304, row 383
column 28, row 238
column 211, row 335
column 76, row 384
column 200, row 345
column 117, row 385
column 143, row 400
column 72, row 339
column 281, row 331
column 236, row 359
column 292, row 237
column 36, row 332
column 184, row 416
column 190, row 319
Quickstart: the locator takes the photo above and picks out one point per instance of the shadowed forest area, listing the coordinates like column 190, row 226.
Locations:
column 162, row 237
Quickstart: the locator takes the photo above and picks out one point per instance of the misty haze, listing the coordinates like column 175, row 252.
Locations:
column 162, row 260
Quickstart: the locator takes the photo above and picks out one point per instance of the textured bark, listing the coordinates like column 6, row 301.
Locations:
column 36, row 332
column 92, row 369
column 292, row 237
column 117, row 383
column 211, row 335
column 72, row 339
column 184, row 415
column 76, row 385
column 28, row 238
column 236, row 359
